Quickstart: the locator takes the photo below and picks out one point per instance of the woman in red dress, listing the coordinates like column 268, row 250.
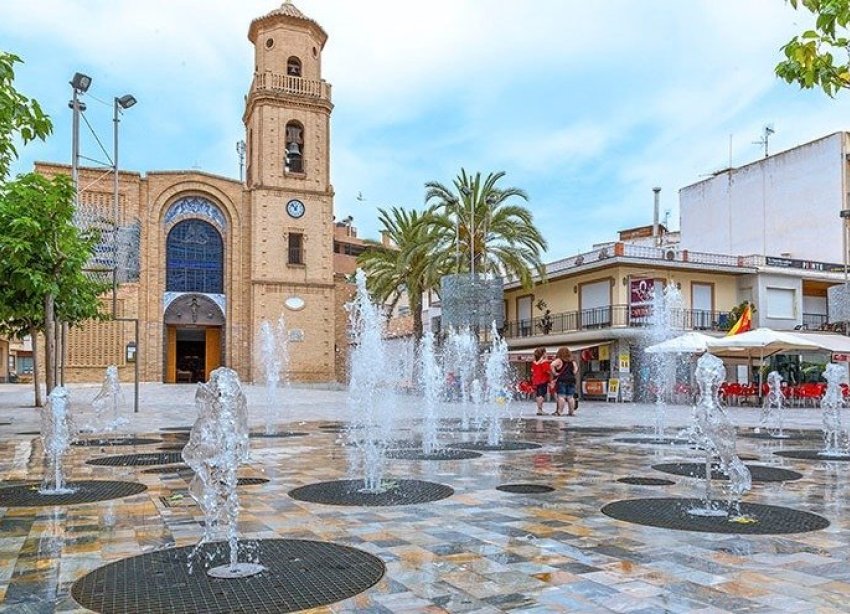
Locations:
column 541, row 372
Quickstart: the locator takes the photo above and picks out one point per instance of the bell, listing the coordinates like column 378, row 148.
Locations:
column 293, row 150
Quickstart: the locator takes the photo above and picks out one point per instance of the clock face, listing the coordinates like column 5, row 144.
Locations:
column 295, row 208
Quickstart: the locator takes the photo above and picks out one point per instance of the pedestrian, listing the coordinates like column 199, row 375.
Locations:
column 541, row 374
column 564, row 370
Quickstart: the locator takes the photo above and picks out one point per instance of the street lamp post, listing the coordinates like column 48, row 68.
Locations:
column 124, row 102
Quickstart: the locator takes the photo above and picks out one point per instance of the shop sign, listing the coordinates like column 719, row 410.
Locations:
column 624, row 362
column 613, row 389
column 809, row 265
column 604, row 352
column 641, row 290
column 841, row 358
column 594, row 388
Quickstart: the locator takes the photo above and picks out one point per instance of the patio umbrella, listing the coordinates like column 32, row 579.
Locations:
column 689, row 343
column 760, row 342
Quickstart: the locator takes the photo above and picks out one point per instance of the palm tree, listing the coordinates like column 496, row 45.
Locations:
column 481, row 227
column 405, row 266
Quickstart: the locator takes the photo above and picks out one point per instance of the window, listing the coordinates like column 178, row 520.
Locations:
column 296, row 248
column 781, row 303
column 523, row 310
column 294, row 154
column 24, row 364
column 596, row 304
column 194, row 260
column 293, row 67
column 702, row 304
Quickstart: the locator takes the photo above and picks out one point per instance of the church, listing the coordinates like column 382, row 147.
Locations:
column 210, row 257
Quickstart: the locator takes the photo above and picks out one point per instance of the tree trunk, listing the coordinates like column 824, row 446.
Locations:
column 35, row 381
column 49, row 343
column 416, row 308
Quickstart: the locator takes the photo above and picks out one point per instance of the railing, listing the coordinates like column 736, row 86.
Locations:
column 814, row 321
column 614, row 316
column 292, row 85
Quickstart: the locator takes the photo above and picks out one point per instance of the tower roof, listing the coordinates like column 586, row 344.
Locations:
column 286, row 12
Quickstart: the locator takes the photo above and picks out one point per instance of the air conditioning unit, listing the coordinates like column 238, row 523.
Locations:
column 669, row 254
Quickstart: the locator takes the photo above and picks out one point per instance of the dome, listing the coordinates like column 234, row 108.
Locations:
column 286, row 12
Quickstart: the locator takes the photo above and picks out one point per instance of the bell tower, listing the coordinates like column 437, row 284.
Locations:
column 287, row 124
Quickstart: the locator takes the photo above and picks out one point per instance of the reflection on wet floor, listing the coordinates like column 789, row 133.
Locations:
column 479, row 550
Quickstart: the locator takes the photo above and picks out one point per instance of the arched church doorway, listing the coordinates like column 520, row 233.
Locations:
column 194, row 338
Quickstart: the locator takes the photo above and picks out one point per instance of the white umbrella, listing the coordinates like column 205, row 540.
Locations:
column 759, row 342
column 689, row 343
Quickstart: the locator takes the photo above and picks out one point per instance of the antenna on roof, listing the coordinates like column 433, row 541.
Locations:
column 765, row 139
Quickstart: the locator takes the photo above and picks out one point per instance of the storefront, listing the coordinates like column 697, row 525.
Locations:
column 594, row 365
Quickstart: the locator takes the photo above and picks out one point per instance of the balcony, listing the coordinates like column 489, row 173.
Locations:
column 614, row 316
column 295, row 86
column 815, row 321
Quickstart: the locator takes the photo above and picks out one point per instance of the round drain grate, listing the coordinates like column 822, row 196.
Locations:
column 29, row 433
column 299, row 575
column 86, row 491
column 348, row 492
column 673, row 514
column 281, row 435
column 592, row 430
column 115, row 441
column 655, row 441
column 646, row 481
column 439, row 455
column 505, row 446
column 789, row 436
column 251, row 481
column 127, row 460
column 168, row 469
column 525, row 489
column 813, row 455
column 760, row 473
column 172, row 447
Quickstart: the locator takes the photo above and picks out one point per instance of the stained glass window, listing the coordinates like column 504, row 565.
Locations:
column 194, row 258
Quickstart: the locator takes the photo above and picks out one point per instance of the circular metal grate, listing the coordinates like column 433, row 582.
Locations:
column 813, row 455
column 592, row 430
column 300, row 575
column 673, row 513
column 655, row 441
column 128, row 460
column 439, row 455
column 168, row 469
column 525, row 489
column 646, row 481
column 251, row 481
column 172, row 447
column 789, row 436
column 29, row 433
column 505, row 446
column 281, row 435
column 176, row 428
column 115, row 441
column 760, row 473
column 348, row 492
column 86, row 491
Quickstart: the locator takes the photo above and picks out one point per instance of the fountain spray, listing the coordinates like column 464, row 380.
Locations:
column 57, row 431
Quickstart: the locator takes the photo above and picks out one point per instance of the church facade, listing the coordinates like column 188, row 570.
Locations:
column 210, row 257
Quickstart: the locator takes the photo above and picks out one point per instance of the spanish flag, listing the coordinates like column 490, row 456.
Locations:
column 744, row 323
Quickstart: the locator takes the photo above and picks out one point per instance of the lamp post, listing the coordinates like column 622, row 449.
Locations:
column 241, row 148
column 124, row 102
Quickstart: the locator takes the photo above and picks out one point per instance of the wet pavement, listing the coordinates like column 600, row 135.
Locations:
column 480, row 549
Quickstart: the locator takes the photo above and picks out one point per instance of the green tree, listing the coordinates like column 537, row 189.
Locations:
column 405, row 266
column 480, row 222
column 42, row 260
column 20, row 117
column 820, row 57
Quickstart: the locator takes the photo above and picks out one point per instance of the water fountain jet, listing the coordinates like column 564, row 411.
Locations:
column 836, row 437
column 57, row 431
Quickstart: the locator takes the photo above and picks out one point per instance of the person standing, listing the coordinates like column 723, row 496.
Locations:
column 564, row 369
column 541, row 373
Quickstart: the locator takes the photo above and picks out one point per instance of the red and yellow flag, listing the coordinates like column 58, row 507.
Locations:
column 744, row 323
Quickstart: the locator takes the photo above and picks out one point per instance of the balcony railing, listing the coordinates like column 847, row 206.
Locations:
column 815, row 321
column 614, row 316
column 287, row 84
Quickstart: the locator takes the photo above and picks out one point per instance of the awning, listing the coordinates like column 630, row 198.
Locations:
column 830, row 342
column 527, row 354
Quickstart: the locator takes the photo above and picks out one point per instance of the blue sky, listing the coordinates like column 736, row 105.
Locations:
column 585, row 105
